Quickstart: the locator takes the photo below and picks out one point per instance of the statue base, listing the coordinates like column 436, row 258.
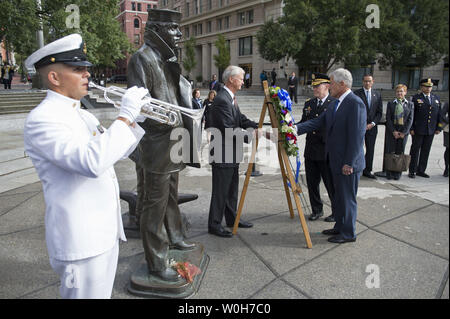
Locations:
column 145, row 285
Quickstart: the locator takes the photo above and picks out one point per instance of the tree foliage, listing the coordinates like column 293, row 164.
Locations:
column 322, row 33
column 101, row 31
column 222, row 58
column 189, row 62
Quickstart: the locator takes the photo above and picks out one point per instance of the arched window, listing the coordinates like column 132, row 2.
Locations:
column 136, row 23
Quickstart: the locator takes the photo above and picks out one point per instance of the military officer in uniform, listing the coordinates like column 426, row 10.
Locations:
column 316, row 166
column 427, row 109
column 74, row 157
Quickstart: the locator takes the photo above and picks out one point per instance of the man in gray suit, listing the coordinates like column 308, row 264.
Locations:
column 345, row 123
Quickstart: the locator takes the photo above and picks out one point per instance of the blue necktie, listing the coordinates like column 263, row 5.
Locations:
column 368, row 98
column 335, row 104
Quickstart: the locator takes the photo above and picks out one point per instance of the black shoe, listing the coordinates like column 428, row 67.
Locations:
column 380, row 174
column 331, row 231
column 397, row 177
column 412, row 175
column 315, row 216
column 242, row 224
column 220, row 232
column 341, row 240
column 423, row 175
column 167, row 275
column 182, row 245
column 330, row 219
column 445, row 173
column 369, row 175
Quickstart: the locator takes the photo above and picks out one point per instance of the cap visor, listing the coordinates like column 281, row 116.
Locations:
column 79, row 63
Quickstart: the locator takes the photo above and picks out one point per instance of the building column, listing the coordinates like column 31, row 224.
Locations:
column 206, row 56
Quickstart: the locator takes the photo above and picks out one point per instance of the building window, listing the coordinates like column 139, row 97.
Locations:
column 139, row 7
column 227, row 22
column 219, row 24
column 136, row 23
column 241, row 18
column 122, row 7
column 133, row 6
column 155, row 6
column 208, row 27
column 137, row 39
column 220, row 3
column 186, row 32
column 209, row 4
column 187, row 9
column 198, row 6
column 245, row 46
column 250, row 16
column 200, row 29
column 164, row 3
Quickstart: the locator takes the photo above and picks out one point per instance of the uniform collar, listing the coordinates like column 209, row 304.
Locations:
column 158, row 44
column 63, row 100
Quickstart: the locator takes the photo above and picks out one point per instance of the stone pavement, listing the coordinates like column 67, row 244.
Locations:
column 403, row 233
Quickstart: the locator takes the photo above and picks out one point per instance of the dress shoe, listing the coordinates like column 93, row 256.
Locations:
column 167, row 275
column 369, row 175
column 315, row 216
column 220, row 232
column 445, row 173
column 330, row 219
column 396, row 178
column 242, row 224
column 412, row 175
column 331, row 231
column 182, row 245
column 423, row 175
column 341, row 240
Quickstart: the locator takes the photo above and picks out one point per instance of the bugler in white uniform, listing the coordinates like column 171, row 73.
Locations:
column 74, row 157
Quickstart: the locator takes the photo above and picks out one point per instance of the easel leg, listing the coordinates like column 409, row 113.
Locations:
column 286, row 187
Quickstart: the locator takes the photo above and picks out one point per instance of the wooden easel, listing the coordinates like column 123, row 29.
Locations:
column 285, row 167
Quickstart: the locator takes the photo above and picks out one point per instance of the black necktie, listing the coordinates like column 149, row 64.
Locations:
column 320, row 103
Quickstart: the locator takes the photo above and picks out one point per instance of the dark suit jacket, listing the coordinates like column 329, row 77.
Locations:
column 195, row 104
column 227, row 118
column 426, row 117
column 345, row 133
column 375, row 111
column 315, row 140
column 408, row 111
column 293, row 81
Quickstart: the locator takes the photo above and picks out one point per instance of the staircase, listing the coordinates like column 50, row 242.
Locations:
column 13, row 102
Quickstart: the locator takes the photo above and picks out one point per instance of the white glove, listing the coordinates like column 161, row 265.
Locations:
column 132, row 103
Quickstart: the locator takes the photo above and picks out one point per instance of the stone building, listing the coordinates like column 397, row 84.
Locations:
column 239, row 21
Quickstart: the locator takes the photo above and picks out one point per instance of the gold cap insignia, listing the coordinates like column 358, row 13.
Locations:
column 52, row 59
column 84, row 48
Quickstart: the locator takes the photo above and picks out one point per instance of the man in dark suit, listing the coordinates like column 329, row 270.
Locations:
column 214, row 84
column 273, row 75
column 315, row 162
column 345, row 124
column 374, row 107
column 292, row 86
column 226, row 151
column 427, row 109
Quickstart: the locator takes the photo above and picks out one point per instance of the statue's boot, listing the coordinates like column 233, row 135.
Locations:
column 167, row 274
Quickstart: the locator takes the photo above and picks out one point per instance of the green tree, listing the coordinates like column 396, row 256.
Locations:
column 222, row 58
column 189, row 62
column 322, row 33
column 101, row 31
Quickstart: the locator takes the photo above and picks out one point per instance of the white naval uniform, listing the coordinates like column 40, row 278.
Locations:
column 75, row 164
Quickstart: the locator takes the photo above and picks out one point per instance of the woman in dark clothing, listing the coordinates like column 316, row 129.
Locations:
column 399, row 117
column 444, row 119
column 207, row 105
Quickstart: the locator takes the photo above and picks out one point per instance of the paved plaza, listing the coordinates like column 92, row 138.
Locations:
column 402, row 247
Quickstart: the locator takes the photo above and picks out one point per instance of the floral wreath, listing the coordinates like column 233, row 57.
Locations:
column 283, row 107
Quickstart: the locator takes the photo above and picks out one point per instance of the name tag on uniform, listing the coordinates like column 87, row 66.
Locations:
column 100, row 129
column 419, row 101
